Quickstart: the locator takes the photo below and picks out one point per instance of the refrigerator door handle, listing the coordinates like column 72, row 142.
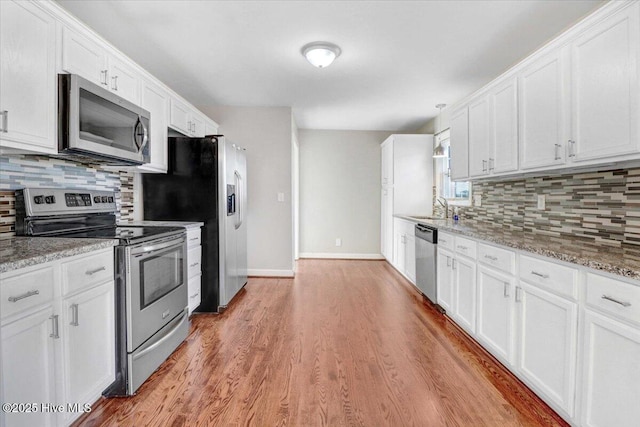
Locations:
column 240, row 199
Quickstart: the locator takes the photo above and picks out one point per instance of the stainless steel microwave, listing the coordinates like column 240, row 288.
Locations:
column 97, row 124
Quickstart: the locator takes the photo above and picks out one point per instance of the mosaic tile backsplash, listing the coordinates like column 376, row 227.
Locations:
column 40, row 171
column 600, row 206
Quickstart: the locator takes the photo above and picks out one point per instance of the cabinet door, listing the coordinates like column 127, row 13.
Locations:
column 88, row 343
column 124, row 80
column 156, row 101
column 495, row 313
column 28, row 367
column 194, row 292
column 387, row 163
column 610, row 373
column 459, row 144
column 27, row 77
column 398, row 250
column 197, row 125
column 605, row 96
column 479, row 137
column 504, row 103
column 179, row 116
column 464, row 272
column 542, row 111
column 410, row 257
column 547, row 347
column 84, row 57
column 444, row 280
column 210, row 128
column 386, row 221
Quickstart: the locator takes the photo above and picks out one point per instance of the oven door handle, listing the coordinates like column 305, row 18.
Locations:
column 154, row 248
column 158, row 343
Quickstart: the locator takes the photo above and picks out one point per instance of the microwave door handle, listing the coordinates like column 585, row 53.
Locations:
column 145, row 134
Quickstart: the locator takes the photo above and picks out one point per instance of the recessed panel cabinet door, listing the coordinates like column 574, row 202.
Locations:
column 610, row 373
column 547, row 346
column 479, row 137
column 495, row 312
column 27, row 77
column 444, row 280
column 464, row 271
column 459, row 148
column 84, row 57
column 542, row 111
column 605, row 96
column 124, row 80
column 504, row 103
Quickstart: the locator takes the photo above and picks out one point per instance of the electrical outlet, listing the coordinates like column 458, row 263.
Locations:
column 541, row 202
column 477, row 200
column 281, row 197
column 338, row 242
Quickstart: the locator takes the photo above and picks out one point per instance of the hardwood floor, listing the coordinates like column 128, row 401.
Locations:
column 344, row 343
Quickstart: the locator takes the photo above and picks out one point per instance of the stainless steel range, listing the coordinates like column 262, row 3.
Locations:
column 151, row 274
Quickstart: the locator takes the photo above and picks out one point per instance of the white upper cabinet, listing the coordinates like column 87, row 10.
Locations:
column 387, row 163
column 479, row 137
column 197, row 125
column 186, row 119
column 459, row 148
column 605, row 74
column 210, row 127
column 28, row 107
column 156, row 101
column 542, row 111
column 89, row 59
column 504, row 124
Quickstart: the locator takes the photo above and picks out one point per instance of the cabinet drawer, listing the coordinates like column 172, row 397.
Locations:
column 466, row 247
column 554, row 277
column 445, row 240
column 194, row 258
column 87, row 271
column 26, row 290
column 194, row 237
column 194, row 293
column 501, row 259
column 613, row 296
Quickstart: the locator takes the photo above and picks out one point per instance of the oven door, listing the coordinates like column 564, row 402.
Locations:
column 156, row 287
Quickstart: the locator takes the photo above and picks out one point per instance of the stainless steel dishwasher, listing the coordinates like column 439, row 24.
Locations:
column 426, row 241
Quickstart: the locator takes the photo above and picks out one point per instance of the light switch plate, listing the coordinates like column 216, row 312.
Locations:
column 477, row 199
column 338, row 241
column 541, row 202
column 281, row 197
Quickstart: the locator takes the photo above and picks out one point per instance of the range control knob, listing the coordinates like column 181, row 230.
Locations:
column 96, row 199
column 105, row 199
column 110, row 199
column 50, row 200
column 38, row 200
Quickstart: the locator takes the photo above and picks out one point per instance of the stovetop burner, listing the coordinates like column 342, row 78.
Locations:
column 126, row 235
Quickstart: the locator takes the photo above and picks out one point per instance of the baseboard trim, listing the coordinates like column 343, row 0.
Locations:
column 256, row 272
column 323, row 255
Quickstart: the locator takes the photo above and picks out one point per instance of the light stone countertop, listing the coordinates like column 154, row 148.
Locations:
column 19, row 252
column 187, row 225
column 617, row 258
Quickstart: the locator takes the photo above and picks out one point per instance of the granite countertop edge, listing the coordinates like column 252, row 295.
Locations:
column 475, row 231
column 52, row 249
column 186, row 224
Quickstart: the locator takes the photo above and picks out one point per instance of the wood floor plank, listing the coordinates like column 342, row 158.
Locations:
column 345, row 343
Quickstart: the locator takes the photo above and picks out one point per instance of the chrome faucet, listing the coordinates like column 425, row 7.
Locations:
column 445, row 205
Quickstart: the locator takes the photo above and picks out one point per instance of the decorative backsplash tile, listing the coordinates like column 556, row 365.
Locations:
column 603, row 206
column 40, row 171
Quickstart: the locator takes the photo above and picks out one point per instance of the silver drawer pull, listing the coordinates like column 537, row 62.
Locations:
column 464, row 248
column 492, row 258
column 74, row 315
column 195, row 238
column 54, row 325
column 506, row 290
column 194, row 295
column 193, row 265
column 622, row 303
column 544, row 276
column 23, row 296
column 92, row 272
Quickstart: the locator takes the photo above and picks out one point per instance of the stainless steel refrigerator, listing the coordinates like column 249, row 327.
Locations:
column 206, row 182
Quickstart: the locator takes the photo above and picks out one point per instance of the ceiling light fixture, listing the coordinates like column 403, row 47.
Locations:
column 320, row 54
column 439, row 151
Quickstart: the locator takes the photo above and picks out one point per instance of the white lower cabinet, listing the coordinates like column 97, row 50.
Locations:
column 194, row 265
column 444, row 279
column 495, row 313
column 464, row 279
column 547, row 332
column 404, row 248
column 29, row 367
column 89, row 357
column 610, row 386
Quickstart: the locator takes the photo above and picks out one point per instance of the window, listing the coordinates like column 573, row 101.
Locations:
column 456, row 193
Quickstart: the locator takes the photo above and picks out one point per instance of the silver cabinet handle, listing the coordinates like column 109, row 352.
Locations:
column 491, row 164
column 194, row 127
column 5, row 121
column 92, row 272
column 448, row 261
column 622, row 303
column 191, row 240
column 194, row 295
column 506, row 290
column 484, row 166
column 189, row 125
column 23, row 296
column 105, row 75
column 572, row 145
column 74, row 315
column 54, row 325
column 464, row 248
column 453, row 263
column 544, row 276
column 557, row 152
column 114, row 83
column 518, row 294
column 193, row 265
column 492, row 258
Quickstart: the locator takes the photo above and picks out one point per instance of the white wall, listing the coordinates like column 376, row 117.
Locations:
column 340, row 193
column 266, row 134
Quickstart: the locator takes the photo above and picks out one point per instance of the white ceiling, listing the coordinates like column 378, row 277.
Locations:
column 399, row 58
